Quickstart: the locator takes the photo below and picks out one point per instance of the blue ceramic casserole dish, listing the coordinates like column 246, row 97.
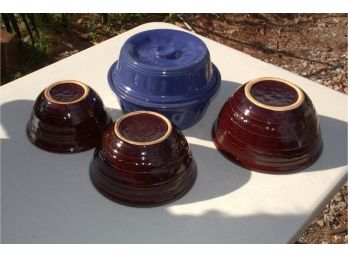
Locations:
column 166, row 71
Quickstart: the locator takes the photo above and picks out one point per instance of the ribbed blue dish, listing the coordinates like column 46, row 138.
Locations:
column 166, row 71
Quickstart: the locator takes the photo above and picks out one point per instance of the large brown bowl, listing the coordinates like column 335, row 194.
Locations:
column 143, row 161
column 68, row 117
column 269, row 125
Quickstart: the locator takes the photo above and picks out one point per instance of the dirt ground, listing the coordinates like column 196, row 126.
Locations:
column 311, row 45
column 314, row 46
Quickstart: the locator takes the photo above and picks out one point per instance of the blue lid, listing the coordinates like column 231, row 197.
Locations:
column 164, row 49
column 164, row 66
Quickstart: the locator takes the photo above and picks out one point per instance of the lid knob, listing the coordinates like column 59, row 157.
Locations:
column 167, row 52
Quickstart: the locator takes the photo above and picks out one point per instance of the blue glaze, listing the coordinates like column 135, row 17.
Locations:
column 167, row 71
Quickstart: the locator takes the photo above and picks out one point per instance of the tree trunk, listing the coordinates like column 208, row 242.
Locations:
column 14, row 24
column 28, row 28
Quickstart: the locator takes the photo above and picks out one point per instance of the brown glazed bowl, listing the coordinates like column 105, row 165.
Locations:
column 68, row 117
column 269, row 125
column 143, row 161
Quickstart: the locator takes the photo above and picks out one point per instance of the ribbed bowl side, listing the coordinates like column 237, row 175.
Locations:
column 265, row 140
column 143, row 176
column 68, row 128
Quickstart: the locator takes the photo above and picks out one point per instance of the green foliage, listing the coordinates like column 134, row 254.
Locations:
column 122, row 18
column 93, row 29
column 170, row 18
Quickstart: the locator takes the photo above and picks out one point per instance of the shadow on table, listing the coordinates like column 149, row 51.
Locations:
column 15, row 116
column 215, row 178
column 23, row 162
column 202, row 129
column 64, row 177
column 211, row 182
column 34, row 181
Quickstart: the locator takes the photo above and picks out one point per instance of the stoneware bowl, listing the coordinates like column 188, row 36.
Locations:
column 166, row 71
column 269, row 125
column 143, row 161
column 68, row 116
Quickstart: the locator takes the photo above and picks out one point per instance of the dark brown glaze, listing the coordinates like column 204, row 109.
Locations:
column 143, row 175
column 143, row 127
column 274, row 93
column 67, row 92
column 265, row 140
column 68, row 120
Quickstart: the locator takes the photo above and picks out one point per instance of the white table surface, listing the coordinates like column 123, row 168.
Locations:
column 48, row 198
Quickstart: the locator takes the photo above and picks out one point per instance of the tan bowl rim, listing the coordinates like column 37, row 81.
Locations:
column 299, row 101
column 81, row 84
column 159, row 140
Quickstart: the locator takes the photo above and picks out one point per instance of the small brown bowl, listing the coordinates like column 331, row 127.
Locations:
column 68, row 117
column 269, row 125
column 143, row 161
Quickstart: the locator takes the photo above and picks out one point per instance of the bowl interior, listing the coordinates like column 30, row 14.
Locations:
column 143, row 128
column 274, row 94
column 66, row 92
